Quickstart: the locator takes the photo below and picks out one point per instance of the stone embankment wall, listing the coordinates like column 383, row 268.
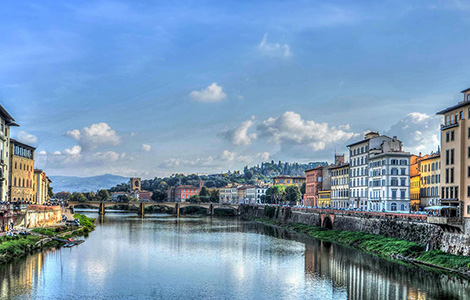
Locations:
column 418, row 231
column 40, row 215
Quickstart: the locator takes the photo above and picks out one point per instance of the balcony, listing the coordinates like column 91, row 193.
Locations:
column 444, row 220
column 449, row 125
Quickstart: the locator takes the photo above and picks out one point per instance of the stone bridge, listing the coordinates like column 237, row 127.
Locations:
column 101, row 205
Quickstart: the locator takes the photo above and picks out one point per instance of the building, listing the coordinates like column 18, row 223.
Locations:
column 182, row 193
column 22, row 172
column 324, row 198
column 260, row 192
column 289, row 180
column 455, row 157
column 313, row 184
column 415, row 190
column 340, row 186
column 6, row 121
column 41, row 187
column 135, row 184
column 116, row 196
column 389, row 177
column 358, row 165
column 430, row 177
column 228, row 194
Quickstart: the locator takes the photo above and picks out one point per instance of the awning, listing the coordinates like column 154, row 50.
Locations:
column 439, row 207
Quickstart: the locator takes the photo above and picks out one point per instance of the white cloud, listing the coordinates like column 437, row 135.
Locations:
column 274, row 49
column 95, row 136
column 74, row 151
column 263, row 156
column 419, row 132
column 26, row 138
column 107, row 156
column 213, row 93
column 239, row 135
column 146, row 147
column 290, row 128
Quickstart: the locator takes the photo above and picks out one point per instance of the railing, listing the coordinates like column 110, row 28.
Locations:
column 449, row 125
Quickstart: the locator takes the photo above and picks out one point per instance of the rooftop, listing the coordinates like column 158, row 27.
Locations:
column 451, row 108
column 340, row 166
column 13, row 141
column 8, row 118
column 288, row 176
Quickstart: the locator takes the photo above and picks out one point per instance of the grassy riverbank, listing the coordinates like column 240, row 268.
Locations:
column 383, row 246
column 12, row 247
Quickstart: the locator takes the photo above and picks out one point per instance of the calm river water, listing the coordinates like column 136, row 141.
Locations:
column 161, row 257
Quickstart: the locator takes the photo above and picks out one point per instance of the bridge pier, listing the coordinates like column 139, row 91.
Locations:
column 211, row 209
column 72, row 210
column 141, row 211
column 177, row 209
column 102, row 209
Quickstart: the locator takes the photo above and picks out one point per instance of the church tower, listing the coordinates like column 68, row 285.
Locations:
column 135, row 184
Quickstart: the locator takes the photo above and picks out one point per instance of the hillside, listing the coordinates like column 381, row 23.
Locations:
column 85, row 184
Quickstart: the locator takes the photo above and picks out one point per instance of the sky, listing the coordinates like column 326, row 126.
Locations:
column 153, row 88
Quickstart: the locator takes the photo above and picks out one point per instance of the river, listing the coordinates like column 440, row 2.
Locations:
column 162, row 257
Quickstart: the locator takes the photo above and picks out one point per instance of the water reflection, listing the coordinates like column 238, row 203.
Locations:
column 160, row 256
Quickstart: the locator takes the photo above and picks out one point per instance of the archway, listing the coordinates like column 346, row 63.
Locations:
column 327, row 223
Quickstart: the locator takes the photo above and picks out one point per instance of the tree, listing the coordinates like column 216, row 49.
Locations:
column 275, row 193
column 195, row 199
column 77, row 197
column 303, row 189
column 215, row 195
column 49, row 192
column 293, row 194
column 204, row 192
column 159, row 196
column 102, row 195
column 124, row 198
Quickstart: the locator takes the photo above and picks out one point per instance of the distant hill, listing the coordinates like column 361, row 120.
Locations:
column 85, row 184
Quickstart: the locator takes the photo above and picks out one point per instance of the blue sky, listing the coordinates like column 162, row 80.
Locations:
column 141, row 88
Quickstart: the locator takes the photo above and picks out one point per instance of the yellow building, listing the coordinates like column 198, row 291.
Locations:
column 324, row 198
column 415, row 192
column 455, row 158
column 22, row 172
column 430, row 177
column 41, row 187
column 289, row 180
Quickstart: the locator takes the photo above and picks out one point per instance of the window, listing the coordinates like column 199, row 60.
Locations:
column 452, row 135
column 451, row 156
column 402, row 181
column 447, row 175
column 468, row 191
column 447, row 157
column 403, row 171
column 451, row 175
column 461, row 114
column 393, row 207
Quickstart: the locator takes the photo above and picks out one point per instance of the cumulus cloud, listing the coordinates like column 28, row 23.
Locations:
column 212, row 93
column 224, row 159
column 290, row 128
column 146, row 147
column 95, row 136
column 26, row 138
column 263, row 156
column 239, row 135
column 274, row 49
column 419, row 132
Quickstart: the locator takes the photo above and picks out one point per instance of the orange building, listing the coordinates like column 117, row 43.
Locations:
column 182, row 193
column 314, row 179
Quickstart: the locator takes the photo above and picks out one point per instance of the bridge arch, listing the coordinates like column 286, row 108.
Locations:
column 327, row 223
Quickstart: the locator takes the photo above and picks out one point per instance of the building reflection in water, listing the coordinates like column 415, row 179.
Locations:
column 21, row 277
column 364, row 276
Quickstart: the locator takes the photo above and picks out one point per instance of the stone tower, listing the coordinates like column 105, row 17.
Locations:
column 135, row 184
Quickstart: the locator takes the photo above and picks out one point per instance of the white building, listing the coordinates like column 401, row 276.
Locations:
column 228, row 194
column 358, row 164
column 260, row 191
column 6, row 121
column 250, row 196
column 389, row 181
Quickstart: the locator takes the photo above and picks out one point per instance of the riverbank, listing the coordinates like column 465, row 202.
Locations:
column 382, row 246
column 14, row 247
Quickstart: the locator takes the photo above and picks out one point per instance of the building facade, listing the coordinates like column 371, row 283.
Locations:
column 389, row 181
column 260, row 192
column 324, row 198
column 289, row 180
column 455, row 157
column 22, row 172
column 430, row 180
column 6, row 121
column 415, row 192
column 228, row 194
column 340, row 186
column 41, row 187
column 313, row 184
column 358, row 165
column 182, row 193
